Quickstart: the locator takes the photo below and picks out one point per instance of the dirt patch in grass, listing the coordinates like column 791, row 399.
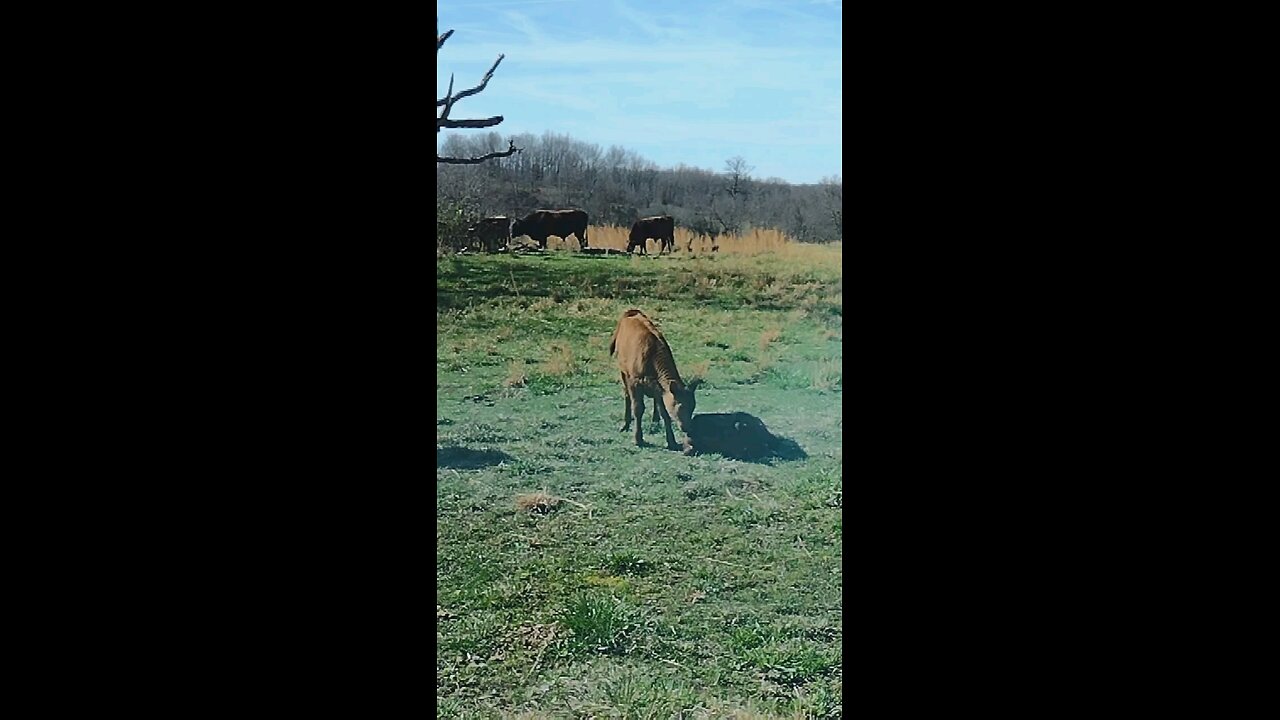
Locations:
column 559, row 360
column 539, row 503
column 516, row 375
column 768, row 336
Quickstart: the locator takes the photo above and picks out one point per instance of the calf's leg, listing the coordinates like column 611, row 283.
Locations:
column 626, row 406
column 637, row 406
column 666, row 418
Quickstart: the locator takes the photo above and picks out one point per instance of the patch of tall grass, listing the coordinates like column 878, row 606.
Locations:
column 755, row 242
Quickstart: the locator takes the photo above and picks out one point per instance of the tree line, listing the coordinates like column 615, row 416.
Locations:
column 617, row 186
column 476, row 177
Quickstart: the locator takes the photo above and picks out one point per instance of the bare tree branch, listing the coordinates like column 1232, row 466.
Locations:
column 487, row 122
column 471, row 161
column 447, row 102
column 450, row 98
column 487, row 77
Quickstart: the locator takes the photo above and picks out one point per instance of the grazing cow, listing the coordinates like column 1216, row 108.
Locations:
column 659, row 227
column 541, row 224
column 712, row 235
column 703, row 227
column 648, row 368
column 490, row 233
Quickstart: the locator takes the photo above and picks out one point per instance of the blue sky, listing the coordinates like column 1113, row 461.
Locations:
column 688, row 82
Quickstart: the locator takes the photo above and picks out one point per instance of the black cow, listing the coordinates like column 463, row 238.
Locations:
column 490, row 234
column 541, row 224
column 659, row 227
column 704, row 227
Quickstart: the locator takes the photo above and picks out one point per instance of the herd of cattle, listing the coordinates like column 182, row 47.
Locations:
column 494, row 233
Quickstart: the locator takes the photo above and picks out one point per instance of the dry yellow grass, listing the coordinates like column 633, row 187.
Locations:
column 571, row 245
column 752, row 243
column 769, row 336
column 560, row 360
column 539, row 502
column 541, row 304
column 516, row 375
column 699, row 369
column 828, row 375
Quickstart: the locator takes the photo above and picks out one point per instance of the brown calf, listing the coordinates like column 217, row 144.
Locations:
column 648, row 368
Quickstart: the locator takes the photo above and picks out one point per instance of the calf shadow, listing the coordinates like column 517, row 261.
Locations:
column 463, row 458
column 741, row 436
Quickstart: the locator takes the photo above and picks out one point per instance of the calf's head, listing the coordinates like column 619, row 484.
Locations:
column 681, row 402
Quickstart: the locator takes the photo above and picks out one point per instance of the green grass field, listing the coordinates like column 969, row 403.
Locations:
column 580, row 576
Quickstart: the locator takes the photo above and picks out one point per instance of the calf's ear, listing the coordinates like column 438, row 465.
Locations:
column 694, row 383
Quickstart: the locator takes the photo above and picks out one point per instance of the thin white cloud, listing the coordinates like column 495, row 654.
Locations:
column 513, row 3
column 794, row 13
column 565, row 100
column 526, row 26
column 665, row 27
column 594, row 53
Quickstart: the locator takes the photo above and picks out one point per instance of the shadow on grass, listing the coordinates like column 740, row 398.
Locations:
column 462, row 458
column 741, row 436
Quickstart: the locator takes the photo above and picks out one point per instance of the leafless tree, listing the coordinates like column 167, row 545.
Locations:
column 833, row 189
column 444, row 121
column 737, row 173
column 728, row 204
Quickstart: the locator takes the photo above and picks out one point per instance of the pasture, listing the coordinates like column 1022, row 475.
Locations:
column 578, row 575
